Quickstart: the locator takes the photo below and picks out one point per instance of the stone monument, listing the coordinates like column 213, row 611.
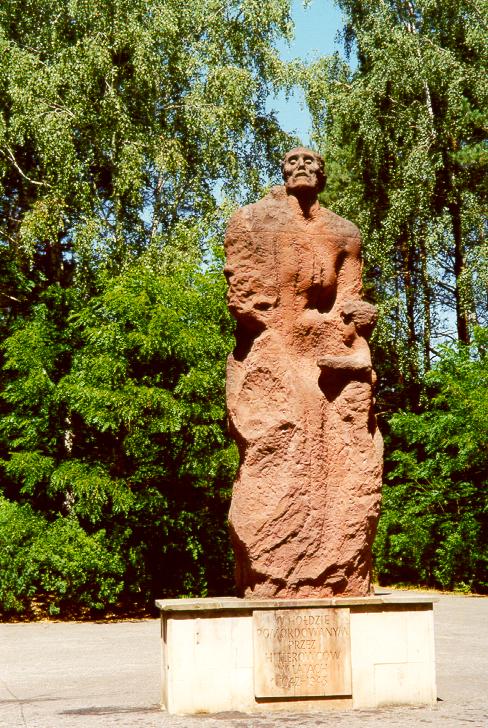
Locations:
column 300, row 395
column 305, row 633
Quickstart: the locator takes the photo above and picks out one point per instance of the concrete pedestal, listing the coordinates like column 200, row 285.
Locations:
column 296, row 655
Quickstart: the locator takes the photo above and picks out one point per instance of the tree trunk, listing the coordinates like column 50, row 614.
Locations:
column 459, row 263
column 426, row 301
column 408, row 256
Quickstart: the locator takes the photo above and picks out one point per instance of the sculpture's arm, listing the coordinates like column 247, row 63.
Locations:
column 349, row 289
column 349, row 276
column 251, row 294
column 358, row 315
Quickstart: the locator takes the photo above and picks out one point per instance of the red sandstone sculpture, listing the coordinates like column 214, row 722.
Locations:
column 299, row 393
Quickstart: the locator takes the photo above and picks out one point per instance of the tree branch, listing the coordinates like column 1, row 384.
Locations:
column 14, row 162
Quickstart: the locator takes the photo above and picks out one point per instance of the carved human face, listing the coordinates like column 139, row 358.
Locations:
column 302, row 171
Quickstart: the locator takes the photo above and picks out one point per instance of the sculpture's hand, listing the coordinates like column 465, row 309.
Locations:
column 354, row 362
column 363, row 314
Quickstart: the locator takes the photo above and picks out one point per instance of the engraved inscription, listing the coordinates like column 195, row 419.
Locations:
column 301, row 652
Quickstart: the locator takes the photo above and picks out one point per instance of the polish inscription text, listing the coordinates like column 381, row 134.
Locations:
column 302, row 652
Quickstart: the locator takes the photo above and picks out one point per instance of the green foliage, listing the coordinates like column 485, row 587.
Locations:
column 127, row 132
column 130, row 437
column 118, row 121
column 47, row 567
column 434, row 527
column 406, row 138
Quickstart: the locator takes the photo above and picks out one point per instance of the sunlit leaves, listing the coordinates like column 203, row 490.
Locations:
column 128, row 132
column 130, row 114
column 58, row 559
column 404, row 136
column 433, row 526
column 408, row 128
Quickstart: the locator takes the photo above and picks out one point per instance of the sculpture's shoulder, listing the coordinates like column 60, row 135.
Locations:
column 275, row 199
column 339, row 225
column 271, row 211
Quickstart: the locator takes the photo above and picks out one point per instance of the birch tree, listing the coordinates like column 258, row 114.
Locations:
column 409, row 125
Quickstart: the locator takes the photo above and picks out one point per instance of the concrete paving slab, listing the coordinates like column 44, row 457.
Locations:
column 107, row 675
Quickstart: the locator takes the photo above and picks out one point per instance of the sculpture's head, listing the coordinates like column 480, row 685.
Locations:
column 303, row 171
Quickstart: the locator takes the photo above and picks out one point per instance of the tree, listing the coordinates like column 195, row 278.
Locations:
column 405, row 134
column 119, row 119
column 409, row 125
column 131, row 441
column 433, row 529
column 124, row 129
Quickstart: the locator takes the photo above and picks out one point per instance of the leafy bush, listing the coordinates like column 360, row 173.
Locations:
column 114, row 432
column 54, row 567
column 433, row 527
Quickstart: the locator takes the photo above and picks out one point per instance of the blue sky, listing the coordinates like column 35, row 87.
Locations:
column 316, row 29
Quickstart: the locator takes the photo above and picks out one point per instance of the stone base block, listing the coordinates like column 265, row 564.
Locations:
column 255, row 655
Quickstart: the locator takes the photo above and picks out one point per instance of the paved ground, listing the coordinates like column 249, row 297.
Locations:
column 91, row 675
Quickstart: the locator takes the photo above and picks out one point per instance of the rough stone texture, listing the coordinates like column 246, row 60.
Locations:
column 299, row 394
